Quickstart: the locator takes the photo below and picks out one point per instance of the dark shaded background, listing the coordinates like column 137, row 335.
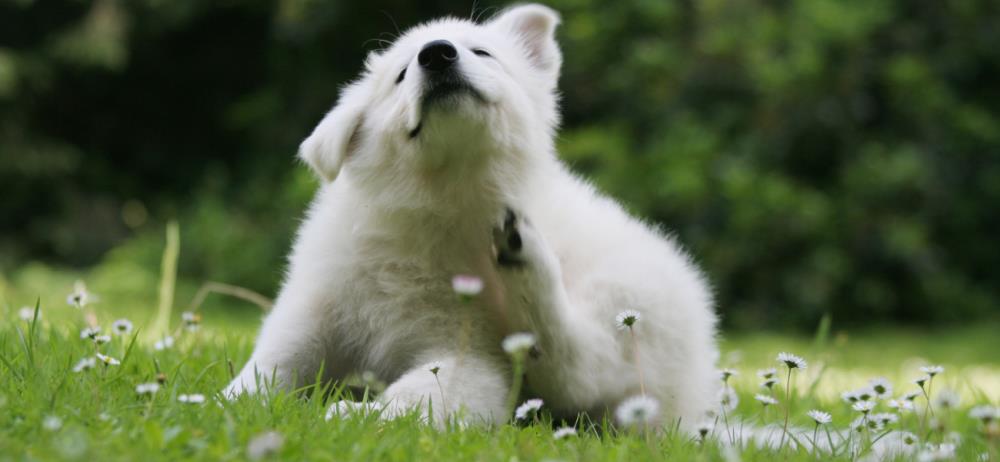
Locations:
column 817, row 156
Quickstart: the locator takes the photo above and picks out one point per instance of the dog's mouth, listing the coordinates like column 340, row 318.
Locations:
column 444, row 92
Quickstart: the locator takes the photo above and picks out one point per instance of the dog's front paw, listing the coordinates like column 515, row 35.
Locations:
column 507, row 242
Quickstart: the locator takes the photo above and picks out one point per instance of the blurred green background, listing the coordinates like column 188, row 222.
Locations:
column 816, row 156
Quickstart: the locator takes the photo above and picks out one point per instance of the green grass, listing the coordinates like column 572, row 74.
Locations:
column 103, row 418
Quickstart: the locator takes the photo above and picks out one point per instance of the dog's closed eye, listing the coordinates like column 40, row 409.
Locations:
column 482, row 52
column 402, row 75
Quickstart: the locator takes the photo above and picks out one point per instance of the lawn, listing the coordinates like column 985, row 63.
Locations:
column 48, row 411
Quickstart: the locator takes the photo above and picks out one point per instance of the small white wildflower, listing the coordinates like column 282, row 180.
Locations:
column 921, row 381
column 850, row 397
column 84, row 364
column 820, row 417
column 466, row 286
column 884, row 418
column 27, row 313
column 931, row 371
column 791, row 361
column 518, row 343
column 264, row 445
column 191, row 320
column 164, row 343
column 908, row 438
column 637, row 411
column 900, row 405
column 765, row 399
column 626, row 319
column 108, row 360
column 727, row 373
column 52, row 423
column 865, row 394
column 434, row 367
column 931, row 452
column 90, row 332
column 147, row 388
column 527, row 409
column 122, row 327
column 769, row 383
column 728, row 399
column 911, row 396
column 985, row 413
column 767, row 373
column 881, row 386
column 102, row 339
column 863, row 407
column 564, row 432
column 193, row 398
column 80, row 296
column 947, row 399
column 859, row 424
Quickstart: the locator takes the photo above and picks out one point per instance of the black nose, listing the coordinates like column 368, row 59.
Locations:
column 437, row 55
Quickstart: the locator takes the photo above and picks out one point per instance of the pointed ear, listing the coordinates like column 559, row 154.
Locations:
column 338, row 134
column 535, row 27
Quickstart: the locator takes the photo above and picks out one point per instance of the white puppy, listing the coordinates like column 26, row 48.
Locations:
column 439, row 161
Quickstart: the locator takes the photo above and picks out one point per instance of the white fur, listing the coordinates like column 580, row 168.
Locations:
column 368, row 288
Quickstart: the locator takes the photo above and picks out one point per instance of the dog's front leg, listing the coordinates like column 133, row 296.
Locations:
column 465, row 386
column 288, row 351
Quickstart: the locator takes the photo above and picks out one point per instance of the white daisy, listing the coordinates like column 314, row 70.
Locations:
column 192, row 321
column 434, row 367
column 908, row 438
column 769, row 383
column 767, row 373
column 90, row 332
column 563, row 432
column 51, row 423
column 164, row 343
column 884, row 418
column 107, row 360
column 881, row 386
column 626, row 319
column 932, row 370
column 85, row 364
column 911, row 396
column 727, row 373
column 527, row 409
column 865, row 394
column 820, row 417
column 985, row 413
column 518, row 343
column 947, row 399
column 850, row 396
column 264, row 445
column 102, row 339
column 637, row 411
column 147, row 388
column 122, row 327
column 728, row 399
column 194, row 398
column 466, row 286
column 765, row 399
column 863, row 407
column 27, row 313
column 859, row 424
column 921, row 381
column 80, row 296
column 900, row 405
column 791, row 361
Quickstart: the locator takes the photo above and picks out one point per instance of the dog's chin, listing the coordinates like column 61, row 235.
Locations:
column 447, row 97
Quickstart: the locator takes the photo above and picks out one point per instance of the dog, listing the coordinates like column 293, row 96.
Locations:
column 439, row 161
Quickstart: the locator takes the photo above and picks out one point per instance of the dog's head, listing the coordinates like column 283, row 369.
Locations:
column 448, row 95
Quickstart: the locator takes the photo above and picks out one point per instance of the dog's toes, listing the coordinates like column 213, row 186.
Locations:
column 507, row 240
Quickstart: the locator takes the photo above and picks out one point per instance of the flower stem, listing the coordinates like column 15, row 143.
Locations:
column 788, row 403
column 635, row 353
